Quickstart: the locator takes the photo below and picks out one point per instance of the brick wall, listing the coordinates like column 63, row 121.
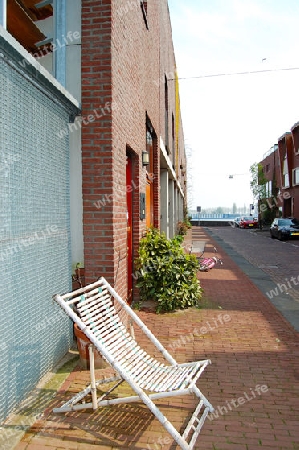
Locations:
column 290, row 195
column 97, row 158
column 295, row 135
column 121, row 64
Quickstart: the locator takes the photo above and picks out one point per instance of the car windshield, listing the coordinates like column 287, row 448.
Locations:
column 288, row 222
column 248, row 219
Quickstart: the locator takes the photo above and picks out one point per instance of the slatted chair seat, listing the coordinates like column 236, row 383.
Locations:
column 107, row 321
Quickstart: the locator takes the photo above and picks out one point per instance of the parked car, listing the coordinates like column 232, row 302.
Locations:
column 236, row 222
column 283, row 229
column 248, row 222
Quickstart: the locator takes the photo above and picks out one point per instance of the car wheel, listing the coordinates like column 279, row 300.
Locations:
column 272, row 237
column 280, row 237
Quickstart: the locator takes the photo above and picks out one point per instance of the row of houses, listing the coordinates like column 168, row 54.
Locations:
column 92, row 154
column 280, row 167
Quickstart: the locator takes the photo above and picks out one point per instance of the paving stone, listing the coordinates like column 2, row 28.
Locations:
column 252, row 381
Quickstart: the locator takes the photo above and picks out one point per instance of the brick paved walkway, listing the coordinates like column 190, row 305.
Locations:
column 253, row 381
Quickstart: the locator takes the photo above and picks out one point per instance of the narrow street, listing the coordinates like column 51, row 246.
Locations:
column 271, row 264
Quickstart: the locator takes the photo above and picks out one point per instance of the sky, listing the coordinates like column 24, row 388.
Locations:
column 231, row 121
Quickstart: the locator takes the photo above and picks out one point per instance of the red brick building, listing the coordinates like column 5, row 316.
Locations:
column 293, row 167
column 129, row 76
column 281, row 170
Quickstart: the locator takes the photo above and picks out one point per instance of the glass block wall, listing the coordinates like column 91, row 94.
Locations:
column 34, row 235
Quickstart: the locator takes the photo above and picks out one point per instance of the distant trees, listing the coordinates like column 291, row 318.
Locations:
column 258, row 181
column 267, row 208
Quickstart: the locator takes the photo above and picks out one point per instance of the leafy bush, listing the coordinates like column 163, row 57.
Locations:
column 183, row 227
column 166, row 274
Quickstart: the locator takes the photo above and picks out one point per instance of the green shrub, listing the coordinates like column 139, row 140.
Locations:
column 165, row 273
column 183, row 227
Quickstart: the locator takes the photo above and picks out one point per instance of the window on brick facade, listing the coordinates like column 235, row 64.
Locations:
column 173, row 141
column 150, row 145
column 285, row 173
column 268, row 189
column 166, row 115
column 296, row 176
column 150, row 150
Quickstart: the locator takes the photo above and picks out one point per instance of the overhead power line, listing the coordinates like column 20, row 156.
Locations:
column 249, row 72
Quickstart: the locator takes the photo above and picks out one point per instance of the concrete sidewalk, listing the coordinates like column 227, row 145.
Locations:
column 253, row 382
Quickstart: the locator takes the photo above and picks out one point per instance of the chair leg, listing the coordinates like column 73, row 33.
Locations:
column 92, row 378
column 74, row 405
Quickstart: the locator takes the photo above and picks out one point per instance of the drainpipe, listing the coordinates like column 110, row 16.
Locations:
column 59, row 7
column 3, row 13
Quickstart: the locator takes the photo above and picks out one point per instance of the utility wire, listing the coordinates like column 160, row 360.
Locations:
column 237, row 73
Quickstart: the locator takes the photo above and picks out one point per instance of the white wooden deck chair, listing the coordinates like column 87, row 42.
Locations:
column 101, row 314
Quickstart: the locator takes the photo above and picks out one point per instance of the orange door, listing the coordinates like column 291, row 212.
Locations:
column 129, row 229
column 148, row 205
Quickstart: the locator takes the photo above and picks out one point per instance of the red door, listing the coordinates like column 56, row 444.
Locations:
column 129, row 228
